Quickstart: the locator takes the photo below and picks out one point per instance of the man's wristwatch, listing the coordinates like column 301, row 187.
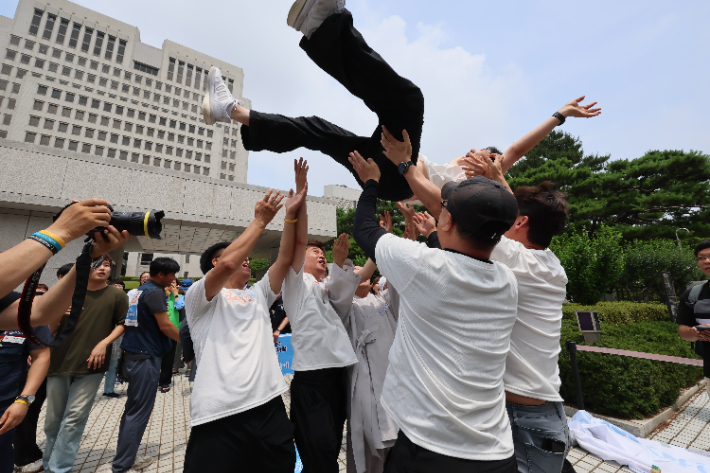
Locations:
column 404, row 166
column 560, row 117
column 29, row 399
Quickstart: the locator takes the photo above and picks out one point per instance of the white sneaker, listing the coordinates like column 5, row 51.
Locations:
column 307, row 15
column 219, row 101
column 32, row 467
column 141, row 462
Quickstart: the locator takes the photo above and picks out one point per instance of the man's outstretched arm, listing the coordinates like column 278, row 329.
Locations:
column 235, row 254
column 301, row 239
column 366, row 229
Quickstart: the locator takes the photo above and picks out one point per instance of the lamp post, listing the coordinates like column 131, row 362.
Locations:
column 678, row 239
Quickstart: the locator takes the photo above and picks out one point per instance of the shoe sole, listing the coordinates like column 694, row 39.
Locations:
column 293, row 13
column 206, row 109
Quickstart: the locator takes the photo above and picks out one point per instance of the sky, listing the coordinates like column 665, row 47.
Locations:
column 489, row 71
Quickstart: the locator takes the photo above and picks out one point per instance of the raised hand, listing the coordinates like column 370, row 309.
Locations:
column 341, row 248
column 574, row 109
column 301, row 169
column 365, row 170
column 425, row 223
column 294, row 202
column 395, row 150
column 80, row 218
column 386, row 221
column 406, row 210
column 410, row 232
column 267, row 207
column 108, row 240
column 475, row 165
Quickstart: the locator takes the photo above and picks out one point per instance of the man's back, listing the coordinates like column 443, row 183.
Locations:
column 444, row 386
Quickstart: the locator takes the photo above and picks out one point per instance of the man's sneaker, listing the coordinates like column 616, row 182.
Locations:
column 32, row 467
column 141, row 462
column 112, row 395
column 218, row 102
column 307, row 15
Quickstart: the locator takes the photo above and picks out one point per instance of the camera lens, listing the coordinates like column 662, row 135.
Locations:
column 139, row 223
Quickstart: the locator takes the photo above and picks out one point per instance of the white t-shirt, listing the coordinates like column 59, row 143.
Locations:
column 234, row 348
column 314, row 309
column 444, row 385
column 441, row 174
column 532, row 368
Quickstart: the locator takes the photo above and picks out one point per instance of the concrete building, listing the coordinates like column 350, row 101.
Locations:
column 342, row 195
column 87, row 110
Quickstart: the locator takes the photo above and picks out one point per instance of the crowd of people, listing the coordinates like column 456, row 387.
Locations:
column 445, row 362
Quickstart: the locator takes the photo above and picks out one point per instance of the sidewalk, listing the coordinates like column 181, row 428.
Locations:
column 166, row 437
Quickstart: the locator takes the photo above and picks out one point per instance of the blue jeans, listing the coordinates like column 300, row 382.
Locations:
column 110, row 381
column 69, row 401
column 540, row 435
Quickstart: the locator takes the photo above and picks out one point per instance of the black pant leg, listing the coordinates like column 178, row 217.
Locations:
column 25, row 446
column 281, row 134
column 341, row 51
column 166, row 366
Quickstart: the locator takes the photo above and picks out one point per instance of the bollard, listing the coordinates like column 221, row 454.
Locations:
column 572, row 349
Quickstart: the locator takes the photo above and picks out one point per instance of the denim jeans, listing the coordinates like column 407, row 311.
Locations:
column 69, row 401
column 110, row 381
column 536, row 429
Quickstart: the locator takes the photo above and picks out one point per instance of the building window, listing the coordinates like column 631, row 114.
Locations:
column 114, row 138
column 205, row 171
column 156, row 162
column 49, row 26
column 207, row 158
column 41, row 90
column 93, row 117
column 6, row 69
column 169, row 150
column 30, row 137
column 119, row 110
column 53, row 66
column 38, row 105
column 178, row 152
column 66, row 71
column 117, row 124
column 123, row 155
column 14, row 40
column 131, row 113
column 69, row 97
column 134, row 157
column 81, row 61
column 34, row 24
column 76, row 130
column 167, row 163
column 61, row 34
column 73, row 145
column 11, row 104
column 90, row 78
column 177, row 166
column 99, row 43
column 7, row 119
column 107, row 106
column 66, row 112
column 128, row 126
column 111, row 153
column 145, row 68
column 188, row 167
column 89, row 133
column 181, row 69
column 44, row 140
column 95, row 103
column 79, row 75
column 105, row 121
column 126, row 141
column 63, row 127
column 102, row 136
column 121, row 51
column 171, row 68
column 20, row 74
column 94, row 65
column 137, row 143
column 10, row 55
column 79, row 115
column 34, row 121
column 83, row 100
column 110, row 44
column 99, row 151
column 158, row 148
column 198, row 77
column 114, row 85
column 88, row 33
column 139, row 129
column 103, row 81
column 76, row 28
column 59, row 142
column 39, row 63
column 56, row 94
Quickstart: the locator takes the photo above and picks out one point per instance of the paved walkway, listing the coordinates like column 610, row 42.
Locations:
column 166, row 437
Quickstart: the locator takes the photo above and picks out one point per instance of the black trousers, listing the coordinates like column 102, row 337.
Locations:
column 166, row 366
column 407, row 457
column 255, row 441
column 25, row 446
column 318, row 411
column 341, row 51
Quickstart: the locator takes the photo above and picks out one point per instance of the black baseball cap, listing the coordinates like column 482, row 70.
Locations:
column 478, row 201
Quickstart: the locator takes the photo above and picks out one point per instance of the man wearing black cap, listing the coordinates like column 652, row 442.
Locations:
column 444, row 386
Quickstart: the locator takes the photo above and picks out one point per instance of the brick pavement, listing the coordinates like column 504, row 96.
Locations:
column 166, row 437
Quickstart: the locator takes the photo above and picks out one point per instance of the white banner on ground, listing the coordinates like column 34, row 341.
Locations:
column 611, row 443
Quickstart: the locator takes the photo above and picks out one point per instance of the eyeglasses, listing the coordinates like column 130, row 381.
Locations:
column 703, row 258
column 443, row 204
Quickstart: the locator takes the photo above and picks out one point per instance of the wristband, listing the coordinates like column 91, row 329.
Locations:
column 55, row 237
column 46, row 241
column 291, row 221
column 560, row 117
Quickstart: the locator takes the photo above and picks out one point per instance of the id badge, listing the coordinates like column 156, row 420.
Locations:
column 132, row 315
column 11, row 339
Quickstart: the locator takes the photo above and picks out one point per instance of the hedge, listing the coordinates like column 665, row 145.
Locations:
column 620, row 312
column 626, row 387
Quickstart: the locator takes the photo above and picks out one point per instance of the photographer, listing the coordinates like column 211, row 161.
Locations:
column 14, row 264
column 694, row 310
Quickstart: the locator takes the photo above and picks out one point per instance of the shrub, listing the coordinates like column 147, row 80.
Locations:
column 593, row 265
column 620, row 312
column 644, row 260
column 627, row 387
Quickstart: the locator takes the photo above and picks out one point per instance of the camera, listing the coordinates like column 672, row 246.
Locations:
column 137, row 223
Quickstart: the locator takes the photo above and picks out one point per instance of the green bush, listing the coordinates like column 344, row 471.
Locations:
column 620, row 312
column 644, row 260
column 593, row 264
column 627, row 387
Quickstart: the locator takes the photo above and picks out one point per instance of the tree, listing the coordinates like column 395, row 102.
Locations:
column 646, row 197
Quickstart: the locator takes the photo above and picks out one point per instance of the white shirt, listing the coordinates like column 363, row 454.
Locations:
column 532, row 368
column 234, row 348
column 441, row 174
column 444, row 385
column 314, row 309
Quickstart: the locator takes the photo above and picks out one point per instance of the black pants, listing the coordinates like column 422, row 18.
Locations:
column 407, row 457
column 341, row 51
column 166, row 367
column 318, row 410
column 255, row 441
column 25, row 446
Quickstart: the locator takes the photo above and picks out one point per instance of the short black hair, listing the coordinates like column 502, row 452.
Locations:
column 493, row 149
column 65, row 269
column 164, row 265
column 485, row 237
column 701, row 246
column 546, row 209
column 144, row 272
column 317, row 244
column 208, row 255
